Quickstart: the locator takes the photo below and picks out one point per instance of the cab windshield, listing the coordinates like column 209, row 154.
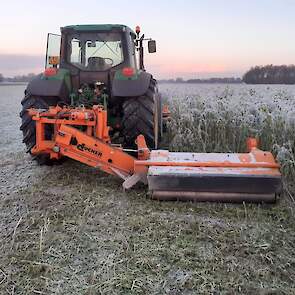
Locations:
column 95, row 51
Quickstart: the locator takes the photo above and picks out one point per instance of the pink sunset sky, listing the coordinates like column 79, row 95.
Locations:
column 194, row 38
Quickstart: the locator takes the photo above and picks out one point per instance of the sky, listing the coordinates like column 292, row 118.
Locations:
column 195, row 38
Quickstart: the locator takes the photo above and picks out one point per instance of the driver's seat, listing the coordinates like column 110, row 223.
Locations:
column 96, row 63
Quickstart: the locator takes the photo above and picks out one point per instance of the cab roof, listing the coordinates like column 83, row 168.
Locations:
column 96, row 27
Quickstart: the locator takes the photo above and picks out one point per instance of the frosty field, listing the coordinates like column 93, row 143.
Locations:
column 71, row 229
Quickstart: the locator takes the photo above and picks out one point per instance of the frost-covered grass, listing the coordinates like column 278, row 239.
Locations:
column 219, row 118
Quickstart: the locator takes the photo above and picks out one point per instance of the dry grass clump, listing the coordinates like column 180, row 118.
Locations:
column 219, row 119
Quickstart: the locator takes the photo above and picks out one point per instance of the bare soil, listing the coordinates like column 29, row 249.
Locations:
column 70, row 229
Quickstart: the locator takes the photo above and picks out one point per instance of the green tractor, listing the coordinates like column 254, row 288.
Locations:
column 98, row 64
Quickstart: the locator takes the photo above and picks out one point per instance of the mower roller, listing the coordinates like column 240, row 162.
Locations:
column 96, row 103
column 248, row 177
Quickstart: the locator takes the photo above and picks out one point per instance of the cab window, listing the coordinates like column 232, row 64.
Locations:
column 96, row 52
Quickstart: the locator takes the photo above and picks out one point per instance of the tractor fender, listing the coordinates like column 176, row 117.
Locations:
column 136, row 85
column 52, row 86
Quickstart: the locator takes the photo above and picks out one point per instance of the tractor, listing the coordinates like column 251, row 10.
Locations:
column 98, row 64
column 96, row 104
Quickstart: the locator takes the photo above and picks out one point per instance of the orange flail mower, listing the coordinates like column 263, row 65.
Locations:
column 82, row 134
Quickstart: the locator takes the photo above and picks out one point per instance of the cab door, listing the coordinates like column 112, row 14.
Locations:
column 53, row 50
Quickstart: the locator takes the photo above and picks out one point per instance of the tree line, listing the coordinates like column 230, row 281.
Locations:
column 270, row 74
column 18, row 78
column 209, row 80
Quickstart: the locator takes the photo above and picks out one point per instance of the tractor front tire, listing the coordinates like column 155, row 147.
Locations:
column 28, row 126
column 142, row 115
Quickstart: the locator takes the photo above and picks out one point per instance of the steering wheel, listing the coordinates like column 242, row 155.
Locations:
column 108, row 61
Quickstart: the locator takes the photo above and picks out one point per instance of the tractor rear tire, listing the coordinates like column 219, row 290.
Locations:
column 28, row 126
column 142, row 115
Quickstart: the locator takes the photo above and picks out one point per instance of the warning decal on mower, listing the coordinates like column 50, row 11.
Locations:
column 82, row 147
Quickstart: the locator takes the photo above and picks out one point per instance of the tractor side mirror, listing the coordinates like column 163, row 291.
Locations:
column 152, row 46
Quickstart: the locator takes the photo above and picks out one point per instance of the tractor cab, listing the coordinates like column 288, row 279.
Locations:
column 96, row 52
